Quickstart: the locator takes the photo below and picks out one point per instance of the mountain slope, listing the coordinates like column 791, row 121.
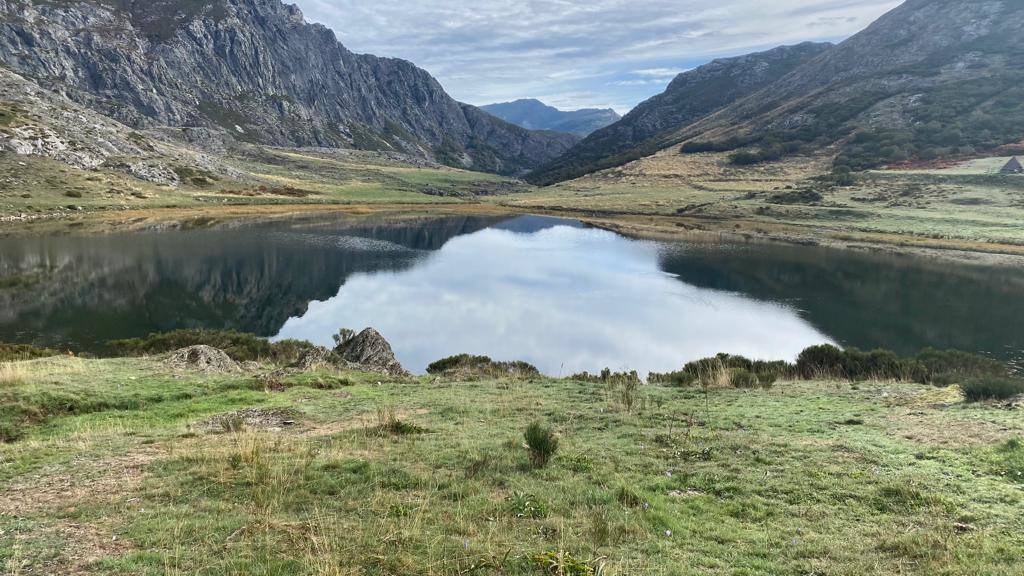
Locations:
column 690, row 97
column 255, row 69
column 535, row 115
column 932, row 78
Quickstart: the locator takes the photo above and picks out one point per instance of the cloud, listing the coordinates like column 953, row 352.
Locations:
column 498, row 50
column 660, row 72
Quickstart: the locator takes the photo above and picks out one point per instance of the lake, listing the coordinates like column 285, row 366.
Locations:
column 553, row 292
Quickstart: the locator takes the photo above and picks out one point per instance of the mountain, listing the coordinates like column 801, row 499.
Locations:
column 256, row 70
column 689, row 97
column 930, row 79
column 536, row 115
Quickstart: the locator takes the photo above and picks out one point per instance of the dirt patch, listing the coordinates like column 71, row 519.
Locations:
column 79, row 547
column 936, row 428
column 90, row 482
column 206, row 359
column 253, row 418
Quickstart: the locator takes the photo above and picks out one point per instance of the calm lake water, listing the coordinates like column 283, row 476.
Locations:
column 553, row 292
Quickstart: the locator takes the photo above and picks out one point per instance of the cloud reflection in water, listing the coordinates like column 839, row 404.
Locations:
column 563, row 298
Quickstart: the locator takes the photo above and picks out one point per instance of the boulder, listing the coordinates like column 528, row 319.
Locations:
column 370, row 350
column 203, row 359
column 314, row 358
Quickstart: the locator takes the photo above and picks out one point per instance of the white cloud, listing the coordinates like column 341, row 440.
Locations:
column 499, row 50
column 660, row 72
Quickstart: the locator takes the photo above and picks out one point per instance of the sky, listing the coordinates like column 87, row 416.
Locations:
column 579, row 53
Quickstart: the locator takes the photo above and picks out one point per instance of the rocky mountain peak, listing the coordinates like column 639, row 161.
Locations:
column 256, row 70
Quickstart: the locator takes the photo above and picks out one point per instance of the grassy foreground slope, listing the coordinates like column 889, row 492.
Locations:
column 131, row 468
column 968, row 206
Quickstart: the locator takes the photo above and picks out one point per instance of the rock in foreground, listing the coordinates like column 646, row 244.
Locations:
column 203, row 359
column 370, row 349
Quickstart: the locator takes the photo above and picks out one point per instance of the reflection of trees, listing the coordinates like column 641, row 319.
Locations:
column 869, row 300
column 84, row 291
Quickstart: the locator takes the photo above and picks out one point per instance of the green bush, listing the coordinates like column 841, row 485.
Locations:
column 467, row 365
column 525, row 505
column 20, row 352
column 947, row 367
column 542, row 444
column 992, row 388
column 743, row 378
column 239, row 346
column 693, row 372
column 767, row 379
column 608, row 377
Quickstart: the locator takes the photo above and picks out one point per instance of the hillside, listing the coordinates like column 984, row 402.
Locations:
column 535, row 115
column 931, row 79
column 690, row 97
column 256, row 70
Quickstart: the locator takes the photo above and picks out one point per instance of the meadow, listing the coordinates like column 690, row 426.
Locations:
column 127, row 466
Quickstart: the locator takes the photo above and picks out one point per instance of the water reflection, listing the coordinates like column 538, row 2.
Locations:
column 563, row 298
column 552, row 292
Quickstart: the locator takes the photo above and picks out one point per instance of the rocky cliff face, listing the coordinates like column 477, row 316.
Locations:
column 690, row 97
column 257, row 70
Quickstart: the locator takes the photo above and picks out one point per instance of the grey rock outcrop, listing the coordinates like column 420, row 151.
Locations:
column 203, row 358
column 256, row 70
column 371, row 350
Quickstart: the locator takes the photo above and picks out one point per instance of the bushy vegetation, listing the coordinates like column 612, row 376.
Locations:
column 982, row 388
column 953, row 120
column 239, row 346
column 935, row 367
column 542, row 443
column 946, row 367
column 608, row 377
column 18, row 352
column 726, row 369
column 467, row 365
column 938, row 367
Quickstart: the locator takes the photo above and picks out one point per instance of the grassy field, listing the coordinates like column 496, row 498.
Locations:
column 130, row 468
column 39, row 187
column 961, row 206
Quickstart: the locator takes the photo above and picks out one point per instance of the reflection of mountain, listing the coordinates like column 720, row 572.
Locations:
column 84, row 291
column 868, row 300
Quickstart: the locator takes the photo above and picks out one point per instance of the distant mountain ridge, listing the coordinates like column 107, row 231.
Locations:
column 257, row 70
column 689, row 97
column 930, row 79
column 533, row 114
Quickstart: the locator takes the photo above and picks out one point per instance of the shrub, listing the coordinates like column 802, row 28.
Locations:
column 608, row 377
column 20, row 352
column 628, row 498
column 467, row 365
column 992, row 388
column 767, row 379
column 706, row 370
column 542, row 444
column 344, row 336
column 743, row 378
column 73, row 194
column 819, row 361
column 947, row 367
column 524, row 505
column 388, row 424
column 239, row 346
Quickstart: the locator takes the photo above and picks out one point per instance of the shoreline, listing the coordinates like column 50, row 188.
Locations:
column 638, row 226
